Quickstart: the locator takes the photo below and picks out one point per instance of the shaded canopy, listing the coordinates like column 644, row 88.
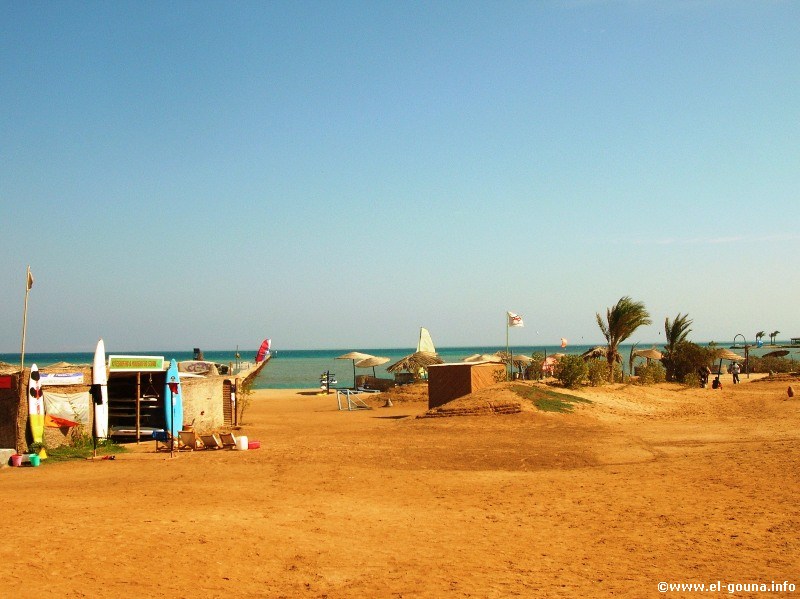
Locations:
column 371, row 362
column 650, row 354
column 413, row 362
column 354, row 355
column 778, row 353
column 726, row 354
column 484, row 358
column 599, row 351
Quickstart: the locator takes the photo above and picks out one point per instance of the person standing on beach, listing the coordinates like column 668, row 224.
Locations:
column 735, row 369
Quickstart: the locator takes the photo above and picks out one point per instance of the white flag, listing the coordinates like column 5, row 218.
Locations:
column 515, row 320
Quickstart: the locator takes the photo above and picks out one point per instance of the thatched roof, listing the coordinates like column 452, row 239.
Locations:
column 650, row 354
column 598, row 351
column 726, row 354
column 484, row 358
column 413, row 362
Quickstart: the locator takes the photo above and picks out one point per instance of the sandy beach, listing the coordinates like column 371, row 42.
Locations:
column 641, row 486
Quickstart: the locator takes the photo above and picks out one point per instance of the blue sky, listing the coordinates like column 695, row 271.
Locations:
column 337, row 174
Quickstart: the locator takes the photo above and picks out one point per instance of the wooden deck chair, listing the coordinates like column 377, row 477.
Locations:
column 211, row 441
column 189, row 440
column 228, row 440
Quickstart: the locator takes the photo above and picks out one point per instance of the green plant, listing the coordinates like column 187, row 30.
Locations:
column 80, row 438
column 686, row 358
column 36, row 447
column 571, row 370
column 675, row 332
column 621, row 322
column 597, row 372
column 652, row 373
column 82, row 446
column 534, row 370
column 691, row 380
column 244, row 395
column 771, row 364
column 547, row 400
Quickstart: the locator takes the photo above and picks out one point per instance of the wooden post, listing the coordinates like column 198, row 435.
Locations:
column 138, row 406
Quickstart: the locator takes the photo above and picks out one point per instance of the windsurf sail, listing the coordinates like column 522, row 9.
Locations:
column 57, row 422
column 425, row 343
column 263, row 351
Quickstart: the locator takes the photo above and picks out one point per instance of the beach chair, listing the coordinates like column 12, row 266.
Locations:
column 211, row 441
column 163, row 437
column 228, row 440
column 188, row 440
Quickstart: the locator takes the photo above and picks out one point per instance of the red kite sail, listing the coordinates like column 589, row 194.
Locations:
column 263, row 351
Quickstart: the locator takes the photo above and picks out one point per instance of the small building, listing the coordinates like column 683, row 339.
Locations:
column 447, row 382
column 135, row 396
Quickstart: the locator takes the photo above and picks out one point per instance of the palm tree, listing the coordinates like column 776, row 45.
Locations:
column 759, row 335
column 772, row 337
column 676, row 333
column 621, row 322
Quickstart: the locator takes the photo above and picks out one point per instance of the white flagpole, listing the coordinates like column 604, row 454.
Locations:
column 28, row 285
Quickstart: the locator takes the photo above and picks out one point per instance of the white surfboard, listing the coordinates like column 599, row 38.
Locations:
column 100, row 384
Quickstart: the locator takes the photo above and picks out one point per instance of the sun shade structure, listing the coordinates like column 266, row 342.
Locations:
column 726, row 354
column 650, row 354
column 371, row 363
column 778, row 353
column 414, row 362
column 599, row 351
column 355, row 356
column 484, row 358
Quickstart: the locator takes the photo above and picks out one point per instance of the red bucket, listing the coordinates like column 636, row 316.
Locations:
column 16, row 460
column 254, row 445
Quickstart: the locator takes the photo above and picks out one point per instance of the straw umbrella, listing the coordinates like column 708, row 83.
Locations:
column 371, row 363
column 520, row 361
column 726, row 354
column 599, row 351
column 484, row 358
column 648, row 354
column 355, row 357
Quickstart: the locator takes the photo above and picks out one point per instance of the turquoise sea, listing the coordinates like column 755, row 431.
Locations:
column 301, row 369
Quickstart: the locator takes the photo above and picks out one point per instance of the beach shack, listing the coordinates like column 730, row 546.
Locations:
column 447, row 382
column 136, row 402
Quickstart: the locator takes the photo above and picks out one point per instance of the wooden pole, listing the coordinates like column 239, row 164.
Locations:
column 28, row 285
column 138, row 406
